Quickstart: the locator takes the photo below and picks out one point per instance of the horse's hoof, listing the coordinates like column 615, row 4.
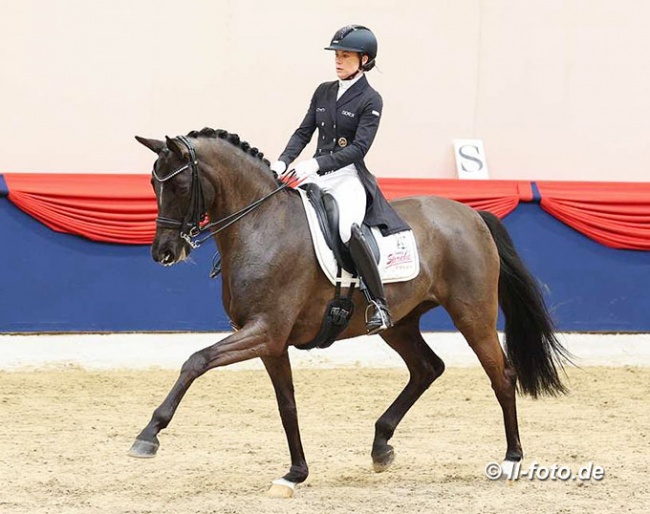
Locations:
column 144, row 449
column 281, row 488
column 383, row 462
column 509, row 470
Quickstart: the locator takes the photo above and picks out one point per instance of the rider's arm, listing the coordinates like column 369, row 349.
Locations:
column 302, row 135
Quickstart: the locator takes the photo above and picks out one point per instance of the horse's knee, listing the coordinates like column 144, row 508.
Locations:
column 195, row 365
column 438, row 367
column 432, row 370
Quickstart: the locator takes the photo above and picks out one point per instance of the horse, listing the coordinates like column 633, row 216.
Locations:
column 275, row 293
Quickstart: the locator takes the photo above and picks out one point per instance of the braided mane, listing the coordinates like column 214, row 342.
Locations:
column 232, row 139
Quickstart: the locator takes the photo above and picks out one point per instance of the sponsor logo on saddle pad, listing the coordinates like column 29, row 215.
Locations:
column 398, row 262
column 400, row 257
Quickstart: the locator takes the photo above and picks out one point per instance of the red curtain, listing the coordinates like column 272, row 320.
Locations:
column 116, row 208
column 616, row 214
column 500, row 197
column 121, row 208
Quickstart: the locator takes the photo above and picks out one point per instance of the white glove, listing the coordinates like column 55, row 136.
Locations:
column 306, row 168
column 279, row 167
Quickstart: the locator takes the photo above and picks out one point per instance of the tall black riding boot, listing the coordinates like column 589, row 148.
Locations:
column 364, row 261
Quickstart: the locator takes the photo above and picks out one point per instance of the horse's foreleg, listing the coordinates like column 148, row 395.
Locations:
column 251, row 341
column 424, row 367
column 279, row 369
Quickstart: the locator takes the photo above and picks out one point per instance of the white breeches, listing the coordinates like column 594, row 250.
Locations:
column 344, row 185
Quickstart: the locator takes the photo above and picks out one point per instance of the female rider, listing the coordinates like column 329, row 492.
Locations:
column 347, row 113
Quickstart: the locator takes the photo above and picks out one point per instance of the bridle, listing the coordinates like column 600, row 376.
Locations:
column 190, row 227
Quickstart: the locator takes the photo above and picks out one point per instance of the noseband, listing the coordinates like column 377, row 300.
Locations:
column 190, row 227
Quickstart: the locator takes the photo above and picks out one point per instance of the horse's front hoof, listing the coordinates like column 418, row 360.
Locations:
column 281, row 488
column 382, row 462
column 144, row 449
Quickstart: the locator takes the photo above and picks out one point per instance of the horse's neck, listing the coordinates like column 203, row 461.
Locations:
column 279, row 219
column 240, row 185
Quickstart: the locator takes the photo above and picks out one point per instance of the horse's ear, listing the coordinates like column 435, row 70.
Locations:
column 152, row 144
column 178, row 149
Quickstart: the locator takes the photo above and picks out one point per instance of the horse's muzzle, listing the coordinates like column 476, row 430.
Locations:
column 169, row 252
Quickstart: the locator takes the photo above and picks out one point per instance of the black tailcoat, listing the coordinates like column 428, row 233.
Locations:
column 346, row 130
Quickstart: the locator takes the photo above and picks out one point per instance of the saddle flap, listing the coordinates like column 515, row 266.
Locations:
column 327, row 212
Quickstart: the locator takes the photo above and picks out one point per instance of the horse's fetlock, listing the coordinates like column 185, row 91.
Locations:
column 161, row 417
column 297, row 474
column 383, row 430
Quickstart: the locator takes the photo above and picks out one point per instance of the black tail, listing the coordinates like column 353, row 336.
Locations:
column 531, row 344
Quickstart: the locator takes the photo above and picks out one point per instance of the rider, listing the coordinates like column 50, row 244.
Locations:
column 347, row 113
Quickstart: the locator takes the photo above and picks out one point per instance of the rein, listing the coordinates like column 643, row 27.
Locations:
column 190, row 228
column 228, row 220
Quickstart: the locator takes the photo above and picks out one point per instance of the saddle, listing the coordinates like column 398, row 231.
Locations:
column 327, row 212
column 340, row 309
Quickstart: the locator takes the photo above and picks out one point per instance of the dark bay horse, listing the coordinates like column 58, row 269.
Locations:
column 275, row 293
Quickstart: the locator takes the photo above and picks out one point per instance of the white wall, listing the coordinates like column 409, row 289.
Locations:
column 557, row 89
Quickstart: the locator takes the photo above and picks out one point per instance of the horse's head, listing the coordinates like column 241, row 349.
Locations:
column 184, row 195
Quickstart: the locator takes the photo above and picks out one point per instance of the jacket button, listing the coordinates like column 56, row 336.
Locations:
column 322, row 124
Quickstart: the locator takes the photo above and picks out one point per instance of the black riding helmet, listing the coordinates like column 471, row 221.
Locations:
column 356, row 38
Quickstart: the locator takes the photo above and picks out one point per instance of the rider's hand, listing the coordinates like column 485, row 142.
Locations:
column 279, row 167
column 305, row 168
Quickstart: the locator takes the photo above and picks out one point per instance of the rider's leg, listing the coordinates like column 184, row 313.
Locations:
column 350, row 195
column 344, row 185
column 364, row 260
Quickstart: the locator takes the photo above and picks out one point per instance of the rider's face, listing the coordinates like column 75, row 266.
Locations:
column 347, row 63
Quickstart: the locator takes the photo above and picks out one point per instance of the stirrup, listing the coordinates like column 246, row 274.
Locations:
column 380, row 319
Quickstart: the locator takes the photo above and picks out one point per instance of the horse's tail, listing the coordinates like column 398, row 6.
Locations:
column 531, row 344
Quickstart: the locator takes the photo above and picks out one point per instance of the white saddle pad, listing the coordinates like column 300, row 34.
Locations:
column 398, row 262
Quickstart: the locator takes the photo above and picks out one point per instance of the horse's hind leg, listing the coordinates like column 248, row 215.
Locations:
column 479, row 329
column 424, row 367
